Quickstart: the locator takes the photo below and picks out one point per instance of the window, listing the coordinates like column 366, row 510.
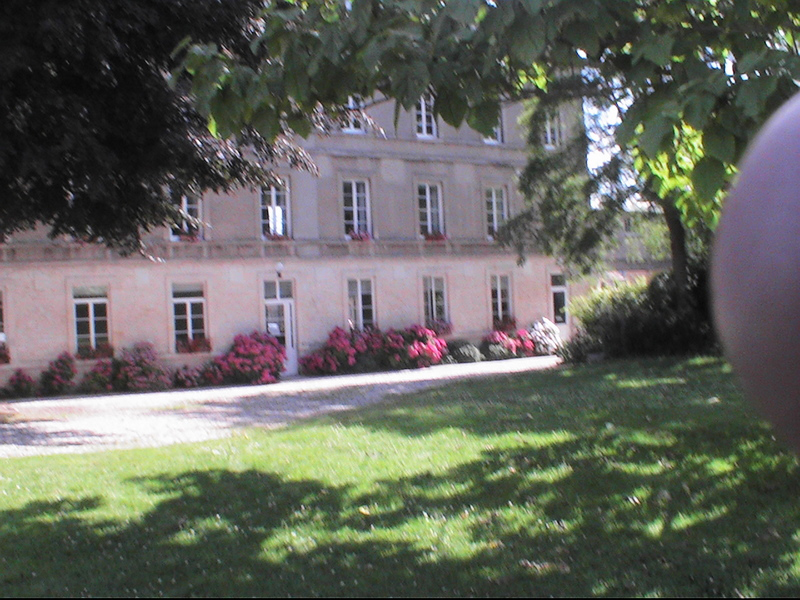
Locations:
column 496, row 209
column 429, row 202
column 189, row 310
column 434, row 300
column 426, row 120
column 501, row 299
column 558, row 285
column 355, row 197
column 91, row 320
column 552, row 135
column 275, row 212
column 353, row 123
column 5, row 356
column 361, row 303
column 186, row 229
column 497, row 132
column 2, row 323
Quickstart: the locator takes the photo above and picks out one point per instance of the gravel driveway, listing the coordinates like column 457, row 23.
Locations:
column 89, row 424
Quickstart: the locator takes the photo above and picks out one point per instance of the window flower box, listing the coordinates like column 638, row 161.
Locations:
column 194, row 346
column 435, row 236
column 187, row 237
column 359, row 236
column 277, row 237
column 5, row 355
column 506, row 324
column 99, row 351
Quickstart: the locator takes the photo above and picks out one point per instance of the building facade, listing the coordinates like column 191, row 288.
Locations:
column 396, row 229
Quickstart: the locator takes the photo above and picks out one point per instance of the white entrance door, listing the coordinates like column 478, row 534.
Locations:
column 280, row 324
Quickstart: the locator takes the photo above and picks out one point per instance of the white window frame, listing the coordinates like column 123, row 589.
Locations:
column 552, row 129
column 434, row 298
column 496, row 202
column 193, row 206
column 276, row 212
column 498, row 133
column 501, row 297
column 92, row 299
column 356, row 204
column 558, row 289
column 427, row 128
column 364, row 288
column 430, row 208
column 354, row 123
column 2, row 320
column 188, row 297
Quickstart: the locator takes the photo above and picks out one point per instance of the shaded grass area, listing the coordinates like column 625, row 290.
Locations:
column 636, row 478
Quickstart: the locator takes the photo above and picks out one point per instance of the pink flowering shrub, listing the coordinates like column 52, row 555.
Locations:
column 256, row 358
column 499, row 345
column 99, row 379
column 373, row 350
column 139, row 369
column 186, row 377
column 20, row 385
column 59, row 376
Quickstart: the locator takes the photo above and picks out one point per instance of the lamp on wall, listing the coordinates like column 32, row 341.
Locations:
column 279, row 269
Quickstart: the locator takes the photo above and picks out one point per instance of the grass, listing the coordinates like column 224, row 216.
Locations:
column 646, row 478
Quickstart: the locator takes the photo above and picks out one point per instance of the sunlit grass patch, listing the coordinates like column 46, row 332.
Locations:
column 610, row 479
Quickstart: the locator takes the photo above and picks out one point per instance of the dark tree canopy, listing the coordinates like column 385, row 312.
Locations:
column 93, row 135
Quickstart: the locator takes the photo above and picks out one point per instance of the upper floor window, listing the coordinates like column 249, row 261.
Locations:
column 355, row 199
column 189, row 318
column 426, row 119
column 434, row 300
column 429, row 203
column 361, row 304
column 275, row 221
column 354, row 122
column 91, row 320
column 496, row 209
column 187, row 229
column 497, row 133
column 552, row 131
column 501, row 300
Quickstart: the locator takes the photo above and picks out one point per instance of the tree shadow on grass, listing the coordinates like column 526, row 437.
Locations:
column 578, row 517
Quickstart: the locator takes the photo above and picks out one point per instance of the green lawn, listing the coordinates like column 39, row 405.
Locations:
column 647, row 478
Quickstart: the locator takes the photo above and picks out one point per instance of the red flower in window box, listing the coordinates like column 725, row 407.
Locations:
column 102, row 350
column 276, row 237
column 5, row 355
column 506, row 324
column 188, row 237
column 435, row 236
column 359, row 236
column 193, row 346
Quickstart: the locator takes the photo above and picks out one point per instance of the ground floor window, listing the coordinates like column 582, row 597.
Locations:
column 189, row 318
column 501, row 300
column 91, row 319
column 558, row 285
column 361, row 304
column 434, row 300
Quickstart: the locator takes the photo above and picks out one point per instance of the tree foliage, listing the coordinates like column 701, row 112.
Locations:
column 699, row 76
column 93, row 134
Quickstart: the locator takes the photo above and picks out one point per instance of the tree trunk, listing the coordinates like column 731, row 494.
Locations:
column 678, row 251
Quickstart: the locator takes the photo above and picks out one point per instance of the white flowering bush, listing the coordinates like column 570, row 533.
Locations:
column 546, row 337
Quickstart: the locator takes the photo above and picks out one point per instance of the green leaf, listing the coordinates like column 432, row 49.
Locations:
column 483, row 118
column 697, row 110
column 719, row 143
column 654, row 134
column 526, row 41
column 451, row 107
column 708, row 177
column 656, row 48
column 752, row 95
